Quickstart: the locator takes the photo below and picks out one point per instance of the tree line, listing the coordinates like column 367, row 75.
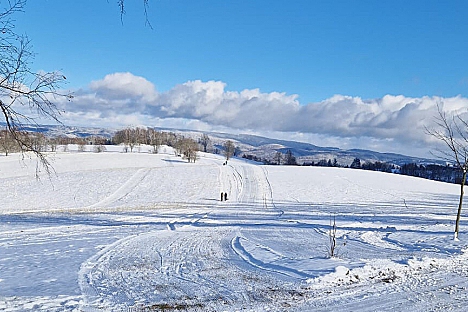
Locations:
column 187, row 148
column 435, row 172
column 447, row 173
column 129, row 138
column 134, row 137
column 278, row 158
column 25, row 141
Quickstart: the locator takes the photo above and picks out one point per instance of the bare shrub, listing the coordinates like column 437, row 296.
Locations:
column 332, row 246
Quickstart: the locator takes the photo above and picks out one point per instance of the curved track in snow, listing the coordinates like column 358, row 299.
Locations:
column 185, row 268
column 123, row 190
column 154, row 235
column 194, row 264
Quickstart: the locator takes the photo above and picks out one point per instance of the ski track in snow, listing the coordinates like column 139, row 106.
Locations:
column 176, row 258
column 145, row 244
column 124, row 190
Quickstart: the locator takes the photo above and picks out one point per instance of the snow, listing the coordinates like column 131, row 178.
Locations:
column 118, row 231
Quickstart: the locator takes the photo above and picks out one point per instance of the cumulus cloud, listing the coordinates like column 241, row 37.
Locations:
column 124, row 86
column 211, row 103
column 123, row 99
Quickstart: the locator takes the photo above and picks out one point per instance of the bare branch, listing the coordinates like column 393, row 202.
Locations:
column 146, row 6
column 121, row 5
column 24, row 95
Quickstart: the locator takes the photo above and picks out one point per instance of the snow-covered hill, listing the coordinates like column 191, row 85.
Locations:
column 148, row 232
column 264, row 148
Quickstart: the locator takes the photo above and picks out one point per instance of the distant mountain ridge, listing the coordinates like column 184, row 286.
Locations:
column 261, row 147
column 306, row 152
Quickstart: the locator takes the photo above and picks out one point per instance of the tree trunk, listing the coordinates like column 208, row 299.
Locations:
column 462, row 186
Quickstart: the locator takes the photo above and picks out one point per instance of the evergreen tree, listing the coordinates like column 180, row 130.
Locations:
column 290, row 159
column 356, row 163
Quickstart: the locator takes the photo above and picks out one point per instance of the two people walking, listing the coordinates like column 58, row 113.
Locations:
column 223, row 196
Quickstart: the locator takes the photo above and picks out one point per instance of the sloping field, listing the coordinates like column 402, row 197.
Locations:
column 142, row 232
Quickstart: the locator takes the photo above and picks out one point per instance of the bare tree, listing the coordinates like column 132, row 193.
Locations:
column 7, row 144
column 332, row 239
column 229, row 149
column 178, row 145
column 170, row 138
column 155, row 139
column 205, row 141
column 37, row 141
column 131, row 138
column 99, row 148
column 453, row 132
column 81, row 145
column 278, row 158
column 189, row 149
column 333, row 248
column 24, row 95
column 53, row 143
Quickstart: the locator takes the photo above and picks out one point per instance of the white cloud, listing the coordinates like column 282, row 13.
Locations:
column 124, row 86
column 391, row 123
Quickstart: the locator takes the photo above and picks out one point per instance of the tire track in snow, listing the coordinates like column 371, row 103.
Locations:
column 123, row 190
column 177, row 266
column 191, row 265
column 252, row 185
column 239, row 248
column 194, row 267
column 377, row 239
column 88, row 280
column 190, row 219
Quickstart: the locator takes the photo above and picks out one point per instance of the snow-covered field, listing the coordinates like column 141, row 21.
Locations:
column 141, row 232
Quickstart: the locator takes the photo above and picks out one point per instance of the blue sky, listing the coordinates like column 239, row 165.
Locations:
column 361, row 50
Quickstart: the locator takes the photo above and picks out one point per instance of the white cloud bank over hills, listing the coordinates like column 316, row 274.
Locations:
column 388, row 124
